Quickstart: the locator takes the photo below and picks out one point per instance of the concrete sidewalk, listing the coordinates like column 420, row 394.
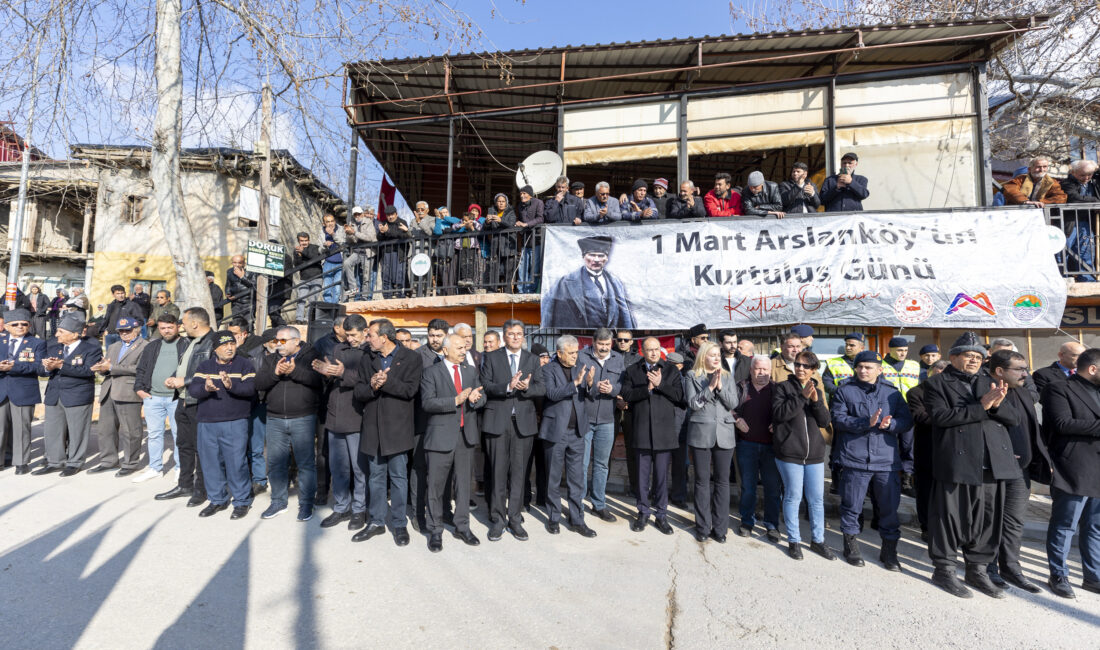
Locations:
column 93, row 561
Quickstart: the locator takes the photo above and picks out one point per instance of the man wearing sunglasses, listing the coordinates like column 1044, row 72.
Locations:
column 20, row 354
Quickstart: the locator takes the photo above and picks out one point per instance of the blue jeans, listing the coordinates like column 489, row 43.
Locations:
column 333, row 273
column 1066, row 511
column 307, row 293
column 1080, row 242
column 598, row 441
column 757, row 463
column 283, row 435
column 257, row 434
column 223, row 452
column 157, row 408
column 345, row 466
column 799, row 480
column 528, row 262
column 395, row 468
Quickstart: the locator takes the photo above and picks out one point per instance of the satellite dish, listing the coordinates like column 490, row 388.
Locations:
column 540, row 170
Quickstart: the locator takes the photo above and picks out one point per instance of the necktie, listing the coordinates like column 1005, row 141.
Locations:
column 1072, row 371
column 458, row 388
column 514, row 363
column 599, row 285
column 14, row 345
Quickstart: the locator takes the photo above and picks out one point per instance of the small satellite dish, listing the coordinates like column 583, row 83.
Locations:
column 540, row 170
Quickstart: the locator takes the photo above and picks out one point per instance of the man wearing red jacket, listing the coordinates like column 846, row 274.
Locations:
column 722, row 201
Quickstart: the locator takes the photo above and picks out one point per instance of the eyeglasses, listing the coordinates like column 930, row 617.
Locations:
column 282, row 341
column 1024, row 369
column 20, row 324
column 807, row 366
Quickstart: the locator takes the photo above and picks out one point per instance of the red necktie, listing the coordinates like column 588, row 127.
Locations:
column 458, row 389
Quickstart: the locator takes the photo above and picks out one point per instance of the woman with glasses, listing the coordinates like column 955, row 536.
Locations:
column 798, row 416
column 711, row 435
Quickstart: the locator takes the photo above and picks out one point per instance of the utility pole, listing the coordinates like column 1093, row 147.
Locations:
column 16, row 227
column 265, row 192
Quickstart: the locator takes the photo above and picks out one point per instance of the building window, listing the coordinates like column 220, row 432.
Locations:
column 133, row 209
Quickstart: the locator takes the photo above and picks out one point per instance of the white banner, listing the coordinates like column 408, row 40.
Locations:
column 989, row 268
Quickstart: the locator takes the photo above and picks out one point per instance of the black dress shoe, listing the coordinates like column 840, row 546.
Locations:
column 435, row 543
column 1094, row 587
column 662, row 525
column 467, row 537
column 947, row 580
column 1020, row 582
column 174, row 493
column 45, row 470
column 197, row 499
column 721, row 539
column 239, row 512
column 997, row 580
column 496, row 531
column 679, row 503
column 335, row 518
column 125, row 471
column 794, row 551
column 357, row 521
column 700, row 536
column 744, row 531
column 821, row 549
column 583, row 530
column 774, row 536
column 401, row 536
column 22, row 469
column 99, row 469
column 638, row 525
column 604, row 514
column 1060, row 586
column 373, row 530
column 70, row 471
column 518, row 532
column 978, row 578
column 258, row 488
column 213, row 509
column 553, row 527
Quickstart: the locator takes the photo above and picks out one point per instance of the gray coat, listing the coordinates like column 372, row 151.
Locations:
column 711, row 419
column 119, row 382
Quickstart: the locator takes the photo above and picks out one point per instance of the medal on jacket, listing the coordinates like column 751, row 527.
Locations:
column 78, row 360
column 26, row 355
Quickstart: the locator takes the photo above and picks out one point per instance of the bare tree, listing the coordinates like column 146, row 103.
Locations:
column 1044, row 87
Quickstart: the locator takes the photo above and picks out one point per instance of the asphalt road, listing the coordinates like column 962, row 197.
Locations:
column 93, row 561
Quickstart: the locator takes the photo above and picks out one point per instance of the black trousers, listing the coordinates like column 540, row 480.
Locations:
column 442, row 468
column 1017, row 494
column 419, row 481
column 508, row 456
column 320, row 455
column 652, row 468
column 565, row 457
column 712, row 489
column 187, row 441
column 538, row 461
column 967, row 517
column 624, row 426
column 922, row 483
column 678, row 491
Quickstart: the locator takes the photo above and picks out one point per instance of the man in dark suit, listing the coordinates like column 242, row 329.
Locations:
column 20, row 357
column 512, row 380
column 733, row 361
column 653, row 390
column 1062, row 369
column 70, row 392
column 1071, row 414
column 562, row 431
column 971, row 459
column 430, row 354
column 589, row 297
column 450, row 393
column 1011, row 368
column 389, row 378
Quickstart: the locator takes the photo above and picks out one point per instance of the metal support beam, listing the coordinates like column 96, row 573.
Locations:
column 981, row 139
column 450, row 159
column 830, row 128
column 682, row 147
column 353, row 168
column 561, row 132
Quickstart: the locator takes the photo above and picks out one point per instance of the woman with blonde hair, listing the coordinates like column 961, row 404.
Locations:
column 711, row 436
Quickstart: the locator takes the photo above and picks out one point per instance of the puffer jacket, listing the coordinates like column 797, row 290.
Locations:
column 857, row 444
column 792, row 440
column 759, row 204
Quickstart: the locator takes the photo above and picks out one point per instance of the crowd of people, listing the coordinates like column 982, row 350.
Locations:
column 402, row 433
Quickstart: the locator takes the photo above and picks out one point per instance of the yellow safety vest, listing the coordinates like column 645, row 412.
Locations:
column 903, row 380
column 840, row 370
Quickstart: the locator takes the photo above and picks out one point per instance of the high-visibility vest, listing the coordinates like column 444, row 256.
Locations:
column 840, row 370
column 906, row 378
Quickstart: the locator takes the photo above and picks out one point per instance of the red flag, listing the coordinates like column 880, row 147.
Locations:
column 385, row 197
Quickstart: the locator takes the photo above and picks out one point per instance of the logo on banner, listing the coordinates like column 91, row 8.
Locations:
column 913, row 307
column 978, row 307
column 1028, row 307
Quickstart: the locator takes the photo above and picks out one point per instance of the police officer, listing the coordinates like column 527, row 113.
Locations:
column 898, row 369
column 838, row 370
